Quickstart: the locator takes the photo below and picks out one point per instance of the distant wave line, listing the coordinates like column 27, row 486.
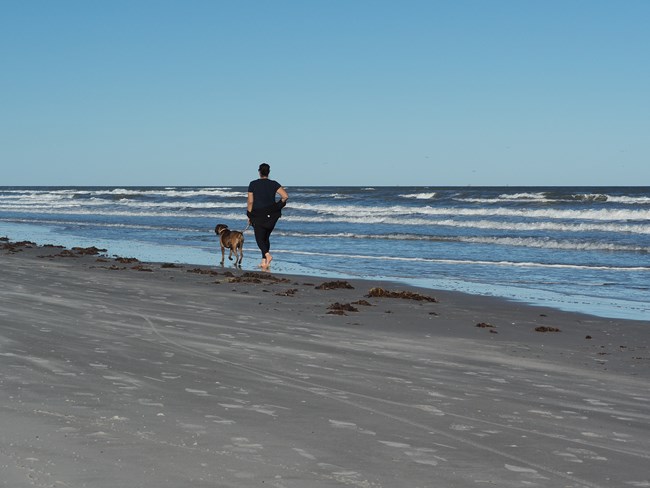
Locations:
column 610, row 215
column 70, row 193
column 478, row 224
column 543, row 198
column 602, row 214
column 228, row 191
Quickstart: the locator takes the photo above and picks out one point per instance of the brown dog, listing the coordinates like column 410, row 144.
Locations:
column 231, row 239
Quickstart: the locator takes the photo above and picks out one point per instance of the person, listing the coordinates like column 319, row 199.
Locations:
column 263, row 210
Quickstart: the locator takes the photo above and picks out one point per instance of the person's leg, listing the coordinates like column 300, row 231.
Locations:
column 266, row 244
column 262, row 240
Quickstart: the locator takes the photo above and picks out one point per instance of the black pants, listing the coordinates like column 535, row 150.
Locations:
column 263, row 229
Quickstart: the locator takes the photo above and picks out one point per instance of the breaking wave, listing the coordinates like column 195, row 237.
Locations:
column 420, row 196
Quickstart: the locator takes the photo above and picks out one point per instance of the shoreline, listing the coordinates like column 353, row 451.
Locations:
column 588, row 305
column 362, row 281
column 120, row 372
column 98, row 258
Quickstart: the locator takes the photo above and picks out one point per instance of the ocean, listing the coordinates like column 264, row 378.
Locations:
column 572, row 248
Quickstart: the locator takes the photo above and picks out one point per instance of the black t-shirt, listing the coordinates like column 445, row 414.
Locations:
column 263, row 191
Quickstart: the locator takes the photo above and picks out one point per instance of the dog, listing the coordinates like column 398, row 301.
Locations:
column 233, row 240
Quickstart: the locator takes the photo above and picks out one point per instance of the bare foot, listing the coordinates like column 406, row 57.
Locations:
column 268, row 259
column 263, row 264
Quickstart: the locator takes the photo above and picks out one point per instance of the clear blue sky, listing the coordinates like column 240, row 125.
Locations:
column 329, row 92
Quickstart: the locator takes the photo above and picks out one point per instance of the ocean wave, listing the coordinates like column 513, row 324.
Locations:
column 44, row 197
column 363, row 218
column 110, row 225
column 468, row 262
column 111, row 194
column 629, row 200
column 553, row 214
column 524, row 196
column 506, row 197
column 532, row 242
column 121, row 193
column 540, row 243
column 484, row 224
column 65, row 199
column 547, row 243
column 547, row 197
column 144, row 213
column 185, row 205
column 590, row 197
column 62, row 206
column 39, row 205
column 420, row 196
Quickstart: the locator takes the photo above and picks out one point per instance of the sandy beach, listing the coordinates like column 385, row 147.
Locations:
column 117, row 373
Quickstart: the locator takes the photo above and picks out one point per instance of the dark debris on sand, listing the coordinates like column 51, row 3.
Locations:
column 484, row 325
column 76, row 252
column 127, row 260
column 16, row 246
column 265, row 277
column 203, row 271
column 547, row 329
column 345, row 307
column 334, row 285
column 251, row 277
column 406, row 295
column 288, row 293
column 66, row 253
column 247, row 279
column 139, row 267
column 336, row 312
column 88, row 251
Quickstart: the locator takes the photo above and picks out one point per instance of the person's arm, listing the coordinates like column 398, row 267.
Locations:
column 249, row 205
column 283, row 194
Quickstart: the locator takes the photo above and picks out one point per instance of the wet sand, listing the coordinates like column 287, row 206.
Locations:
column 121, row 373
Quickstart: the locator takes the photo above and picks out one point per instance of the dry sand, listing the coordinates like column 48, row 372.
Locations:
column 118, row 374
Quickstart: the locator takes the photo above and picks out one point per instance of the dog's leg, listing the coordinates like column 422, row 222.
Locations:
column 237, row 251
column 223, row 253
column 241, row 252
column 230, row 253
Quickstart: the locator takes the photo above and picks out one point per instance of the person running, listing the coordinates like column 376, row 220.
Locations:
column 263, row 210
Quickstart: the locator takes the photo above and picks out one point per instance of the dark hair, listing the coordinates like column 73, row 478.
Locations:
column 264, row 169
